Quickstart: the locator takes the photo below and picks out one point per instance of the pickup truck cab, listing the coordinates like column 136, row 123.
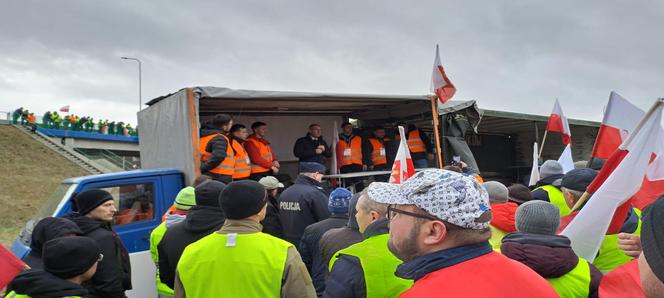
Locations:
column 141, row 196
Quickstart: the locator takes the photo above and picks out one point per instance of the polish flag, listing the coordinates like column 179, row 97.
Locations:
column 565, row 159
column 653, row 183
column 403, row 168
column 65, row 109
column 619, row 121
column 11, row 266
column 440, row 84
column 558, row 123
column 534, row 171
column 620, row 178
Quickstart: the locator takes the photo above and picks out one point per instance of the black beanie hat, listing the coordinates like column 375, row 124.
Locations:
column 88, row 200
column 242, row 199
column 208, row 192
column 652, row 237
column 67, row 257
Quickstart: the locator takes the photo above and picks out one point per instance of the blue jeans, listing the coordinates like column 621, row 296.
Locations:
column 420, row 163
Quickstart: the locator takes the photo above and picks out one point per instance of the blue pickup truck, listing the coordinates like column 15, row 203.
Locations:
column 148, row 192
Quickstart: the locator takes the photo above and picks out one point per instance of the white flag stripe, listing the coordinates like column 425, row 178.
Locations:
column 566, row 160
column 534, row 172
column 559, row 111
column 621, row 114
column 335, row 140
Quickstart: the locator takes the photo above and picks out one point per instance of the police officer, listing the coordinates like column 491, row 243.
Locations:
column 217, row 156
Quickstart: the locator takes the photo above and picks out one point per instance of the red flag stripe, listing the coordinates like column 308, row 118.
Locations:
column 608, row 140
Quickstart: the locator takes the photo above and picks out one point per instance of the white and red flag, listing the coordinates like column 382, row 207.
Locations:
column 65, row 109
column 534, row 171
column 403, row 167
column 620, row 119
column 620, row 178
column 440, row 84
column 558, row 123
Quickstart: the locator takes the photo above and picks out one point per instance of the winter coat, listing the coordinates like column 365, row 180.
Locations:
column 502, row 222
column 540, row 194
column 310, row 252
column 217, row 147
column 305, row 149
column 38, row 283
column 113, row 275
column 551, row 256
column 271, row 223
column 46, row 229
column 200, row 222
column 335, row 240
column 300, row 205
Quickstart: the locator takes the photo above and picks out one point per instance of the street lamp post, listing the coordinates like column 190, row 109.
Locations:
column 140, row 101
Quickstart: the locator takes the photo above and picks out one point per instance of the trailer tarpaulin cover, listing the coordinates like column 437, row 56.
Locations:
column 459, row 117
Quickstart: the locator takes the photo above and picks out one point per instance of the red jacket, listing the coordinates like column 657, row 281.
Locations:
column 503, row 216
column 490, row 275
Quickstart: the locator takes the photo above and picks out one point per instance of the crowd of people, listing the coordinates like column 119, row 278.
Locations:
column 238, row 231
column 53, row 120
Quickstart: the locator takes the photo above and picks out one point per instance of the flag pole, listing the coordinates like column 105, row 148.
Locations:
column 434, row 112
column 539, row 156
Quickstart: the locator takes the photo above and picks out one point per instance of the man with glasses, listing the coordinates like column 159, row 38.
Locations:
column 366, row 269
column 439, row 227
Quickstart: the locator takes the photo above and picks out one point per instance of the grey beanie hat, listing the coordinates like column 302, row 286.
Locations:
column 498, row 192
column 538, row 217
column 550, row 168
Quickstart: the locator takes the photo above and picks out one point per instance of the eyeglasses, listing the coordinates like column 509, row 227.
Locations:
column 392, row 212
column 101, row 257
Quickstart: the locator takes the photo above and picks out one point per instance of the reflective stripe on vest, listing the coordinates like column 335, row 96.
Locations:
column 227, row 166
column 155, row 238
column 377, row 152
column 415, row 143
column 556, row 197
column 575, row 283
column 234, row 265
column 351, row 154
column 610, row 255
column 378, row 266
column 264, row 150
column 242, row 167
column 496, row 239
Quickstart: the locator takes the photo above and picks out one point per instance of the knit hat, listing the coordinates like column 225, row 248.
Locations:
column 49, row 228
column 270, row 183
column 538, row 217
column 449, row 196
column 578, row 179
column 498, row 192
column 88, row 200
column 208, row 192
column 338, row 201
column 312, row 167
column 550, row 168
column 242, row 199
column 519, row 193
column 652, row 237
column 67, row 257
column 186, row 198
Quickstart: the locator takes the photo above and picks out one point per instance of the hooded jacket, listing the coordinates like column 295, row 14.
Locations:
column 551, row 256
column 300, row 205
column 271, row 223
column 540, row 194
column 217, row 147
column 46, row 229
column 200, row 222
column 337, row 239
column 113, row 275
column 41, row 284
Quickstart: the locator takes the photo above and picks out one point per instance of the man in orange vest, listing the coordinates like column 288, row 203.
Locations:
column 349, row 154
column 217, row 155
column 421, row 149
column 377, row 154
column 242, row 164
column 263, row 161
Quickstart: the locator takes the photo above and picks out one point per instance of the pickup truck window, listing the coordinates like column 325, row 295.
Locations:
column 135, row 202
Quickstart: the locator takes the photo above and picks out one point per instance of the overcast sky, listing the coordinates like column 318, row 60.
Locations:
column 508, row 55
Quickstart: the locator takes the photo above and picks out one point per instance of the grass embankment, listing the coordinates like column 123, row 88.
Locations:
column 29, row 173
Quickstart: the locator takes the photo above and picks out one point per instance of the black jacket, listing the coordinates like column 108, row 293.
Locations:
column 271, row 223
column 46, row 229
column 41, row 284
column 200, row 222
column 311, row 254
column 217, row 147
column 347, row 276
column 113, row 275
column 305, row 149
column 337, row 239
column 550, row 256
column 300, row 205
column 540, row 194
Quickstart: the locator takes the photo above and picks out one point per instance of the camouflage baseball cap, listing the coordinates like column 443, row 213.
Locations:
column 450, row 196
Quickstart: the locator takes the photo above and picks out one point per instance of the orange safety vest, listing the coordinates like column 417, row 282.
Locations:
column 242, row 164
column 350, row 154
column 415, row 143
column 378, row 155
column 227, row 166
column 264, row 150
